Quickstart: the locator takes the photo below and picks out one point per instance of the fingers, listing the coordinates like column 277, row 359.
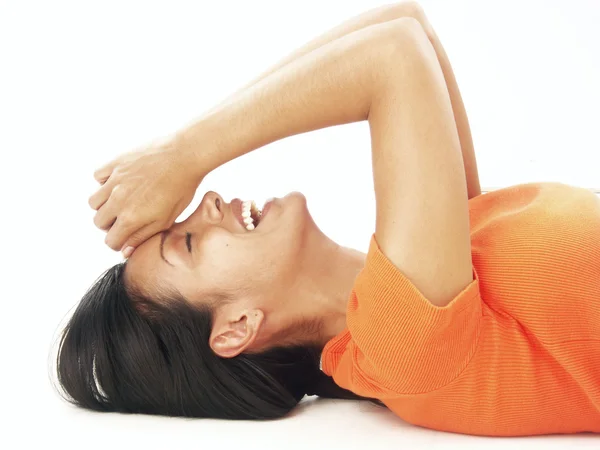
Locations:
column 124, row 228
column 127, row 233
column 101, row 196
column 110, row 200
column 104, row 172
column 106, row 215
column 141, row 236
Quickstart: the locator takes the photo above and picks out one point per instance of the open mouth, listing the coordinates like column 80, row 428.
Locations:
column 250, row 214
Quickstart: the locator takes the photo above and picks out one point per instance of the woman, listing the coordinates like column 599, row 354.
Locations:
column 470, row 313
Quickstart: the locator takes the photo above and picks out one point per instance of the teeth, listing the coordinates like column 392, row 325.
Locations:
column 251, row 214
column 249, row 207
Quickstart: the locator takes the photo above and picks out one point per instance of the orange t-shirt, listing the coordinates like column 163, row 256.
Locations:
column 517, row 352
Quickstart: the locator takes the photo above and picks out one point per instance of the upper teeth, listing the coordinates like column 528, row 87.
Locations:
column 247, row 207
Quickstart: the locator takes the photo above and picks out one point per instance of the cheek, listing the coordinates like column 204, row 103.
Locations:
column 228, row 262
column 215, row 254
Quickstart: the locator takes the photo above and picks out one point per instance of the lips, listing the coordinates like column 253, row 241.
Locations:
column 266, row 207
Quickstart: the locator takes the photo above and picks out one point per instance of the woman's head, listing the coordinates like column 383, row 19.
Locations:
column 253, row 281
column 232, row 329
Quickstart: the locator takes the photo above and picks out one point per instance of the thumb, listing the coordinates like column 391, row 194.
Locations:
column 139, row 237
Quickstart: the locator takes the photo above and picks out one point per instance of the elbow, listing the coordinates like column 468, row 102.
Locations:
column 409, row 9
column 404, row 42
column 405, row 51
column 398, row 50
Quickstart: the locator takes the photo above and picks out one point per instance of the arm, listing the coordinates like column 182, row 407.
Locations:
column 138, row 195
column 385, row 14
column 389, row 75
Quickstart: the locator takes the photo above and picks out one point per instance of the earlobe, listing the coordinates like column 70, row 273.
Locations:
column 233, row 337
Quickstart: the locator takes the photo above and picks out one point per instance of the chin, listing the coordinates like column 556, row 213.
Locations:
column 297, row 208
column 296, row 203
column 296, row 196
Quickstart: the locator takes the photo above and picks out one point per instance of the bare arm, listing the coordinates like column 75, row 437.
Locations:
column 389, row 75
column 385, row 14
column 138, row 197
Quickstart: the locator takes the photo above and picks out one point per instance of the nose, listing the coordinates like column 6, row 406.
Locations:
column 212, row 204
column 209, row 211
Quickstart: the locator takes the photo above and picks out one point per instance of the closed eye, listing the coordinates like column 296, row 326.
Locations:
column 188, row 241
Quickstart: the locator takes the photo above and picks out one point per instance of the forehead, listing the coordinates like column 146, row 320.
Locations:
column 145, row 269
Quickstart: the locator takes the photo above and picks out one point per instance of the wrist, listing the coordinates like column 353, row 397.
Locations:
column 198, row 146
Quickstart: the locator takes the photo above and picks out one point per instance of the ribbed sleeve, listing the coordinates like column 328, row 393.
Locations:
column 437, row 343
column 517, row 352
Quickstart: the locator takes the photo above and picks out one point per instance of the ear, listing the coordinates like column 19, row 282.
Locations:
column 230, row 337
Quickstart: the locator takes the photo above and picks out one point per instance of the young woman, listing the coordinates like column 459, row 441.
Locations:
column 470, row 313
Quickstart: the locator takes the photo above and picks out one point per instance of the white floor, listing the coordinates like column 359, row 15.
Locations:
column 81, row 82
column 316, row 424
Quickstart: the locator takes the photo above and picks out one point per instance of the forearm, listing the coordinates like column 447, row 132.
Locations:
column 384, row 14
column 371, row 17
column 332, row 85
column 460, row 117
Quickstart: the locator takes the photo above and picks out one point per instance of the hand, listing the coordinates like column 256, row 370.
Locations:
column 143, row 192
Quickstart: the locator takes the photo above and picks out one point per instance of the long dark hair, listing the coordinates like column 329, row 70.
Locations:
column 123, row 352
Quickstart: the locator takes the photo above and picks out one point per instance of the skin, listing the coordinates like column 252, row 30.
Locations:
column 283, row 270
column 391, row 72
column 132, row 212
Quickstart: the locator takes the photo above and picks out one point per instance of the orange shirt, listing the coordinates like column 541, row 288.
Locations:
column 517, row 352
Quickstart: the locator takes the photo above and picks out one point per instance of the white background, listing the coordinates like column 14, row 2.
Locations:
column 81, row 82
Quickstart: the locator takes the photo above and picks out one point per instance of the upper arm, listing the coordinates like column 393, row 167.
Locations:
column 422, row 204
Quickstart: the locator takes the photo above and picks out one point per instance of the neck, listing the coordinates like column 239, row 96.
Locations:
column 326, row 276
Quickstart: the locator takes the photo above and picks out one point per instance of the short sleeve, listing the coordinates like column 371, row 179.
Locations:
column 396, row 341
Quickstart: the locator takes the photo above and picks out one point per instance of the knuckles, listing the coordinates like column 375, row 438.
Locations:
column 126, row 219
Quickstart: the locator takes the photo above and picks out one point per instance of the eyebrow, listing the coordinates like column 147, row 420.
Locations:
column 163, row 236
column 188, row 241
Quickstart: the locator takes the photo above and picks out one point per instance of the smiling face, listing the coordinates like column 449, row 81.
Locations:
column 211, row 254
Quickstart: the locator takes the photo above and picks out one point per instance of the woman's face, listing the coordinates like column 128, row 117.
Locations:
column 212, row 254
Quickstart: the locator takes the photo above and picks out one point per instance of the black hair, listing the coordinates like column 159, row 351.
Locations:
column 124, row 352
